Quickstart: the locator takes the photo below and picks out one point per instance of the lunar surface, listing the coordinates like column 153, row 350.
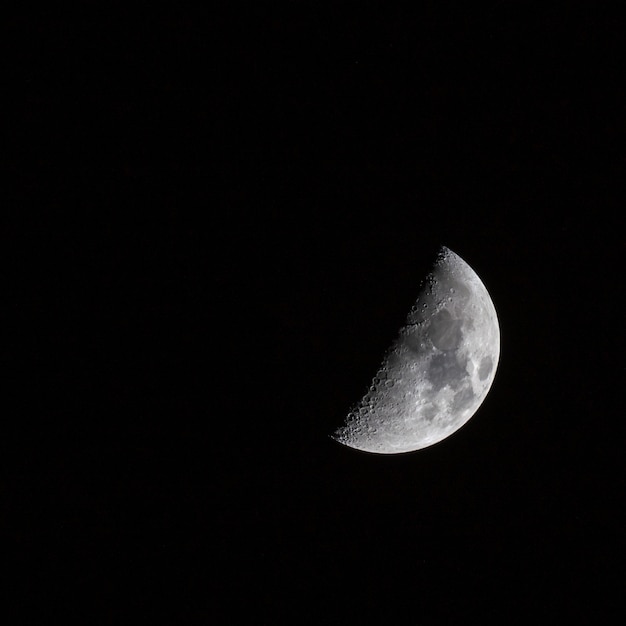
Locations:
column 437, row 372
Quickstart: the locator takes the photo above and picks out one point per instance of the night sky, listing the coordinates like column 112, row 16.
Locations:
column 218, row 219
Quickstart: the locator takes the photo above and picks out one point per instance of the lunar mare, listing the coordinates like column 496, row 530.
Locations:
column 438, row 371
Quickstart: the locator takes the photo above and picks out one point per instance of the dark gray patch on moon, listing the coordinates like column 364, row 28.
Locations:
column 429, row 413
column 445, row 369
column 414, row 343
column 462, row 399
column 445, row 331
column 486, row 365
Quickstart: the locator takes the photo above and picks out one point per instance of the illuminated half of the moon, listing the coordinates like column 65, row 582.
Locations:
column 438, row 371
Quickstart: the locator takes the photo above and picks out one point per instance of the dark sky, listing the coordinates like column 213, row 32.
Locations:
column 218, row 221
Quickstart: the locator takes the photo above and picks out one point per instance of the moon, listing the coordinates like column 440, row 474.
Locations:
column 439, row 370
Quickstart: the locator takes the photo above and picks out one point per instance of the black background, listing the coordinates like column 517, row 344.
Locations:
column 218, row 219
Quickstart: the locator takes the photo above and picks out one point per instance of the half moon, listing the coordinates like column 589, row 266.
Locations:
column 438, row 371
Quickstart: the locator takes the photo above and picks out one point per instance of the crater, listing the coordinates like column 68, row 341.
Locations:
column 460, row 291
